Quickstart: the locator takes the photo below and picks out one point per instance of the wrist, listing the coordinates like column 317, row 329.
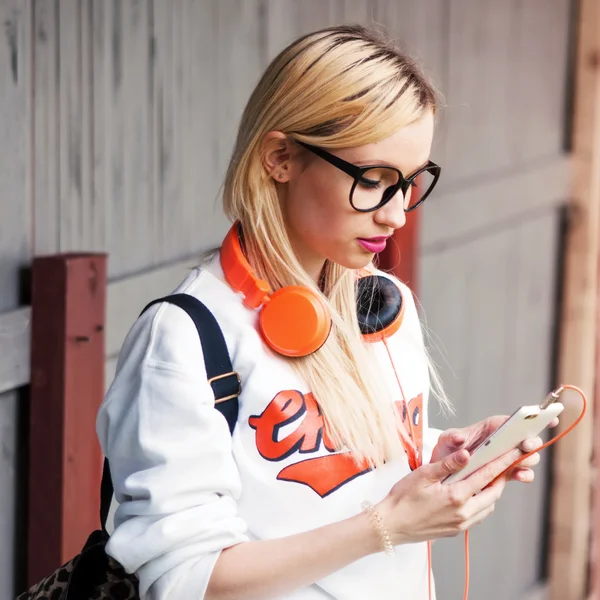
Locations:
column 388, row 508
column 379, row 526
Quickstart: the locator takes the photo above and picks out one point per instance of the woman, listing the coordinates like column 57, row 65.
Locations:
column 331, row 483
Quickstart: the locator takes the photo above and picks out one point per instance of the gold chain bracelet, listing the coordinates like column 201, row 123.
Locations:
column 386, row 542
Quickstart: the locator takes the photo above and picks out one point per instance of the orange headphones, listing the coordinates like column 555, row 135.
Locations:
column 295, row 320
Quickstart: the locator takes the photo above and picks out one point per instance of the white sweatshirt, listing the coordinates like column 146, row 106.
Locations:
column 186, row 489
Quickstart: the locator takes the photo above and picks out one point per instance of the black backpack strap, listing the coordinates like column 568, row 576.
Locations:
column 225, row 382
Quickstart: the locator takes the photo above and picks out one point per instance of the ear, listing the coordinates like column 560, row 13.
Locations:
column 276, row 155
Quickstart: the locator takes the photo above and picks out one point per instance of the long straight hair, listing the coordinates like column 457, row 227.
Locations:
column 338, row 87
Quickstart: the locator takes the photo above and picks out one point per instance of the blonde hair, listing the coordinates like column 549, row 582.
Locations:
column 338, row 87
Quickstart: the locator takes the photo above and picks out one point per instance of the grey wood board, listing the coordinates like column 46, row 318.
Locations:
column 125, row 299
column 469, row 209
column 15, row 163
column 505, row 86
column 46, row 130
column 9, row 450
column 494, row 341
column 15, row 334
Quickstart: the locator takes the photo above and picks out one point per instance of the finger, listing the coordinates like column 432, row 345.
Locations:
column 452, row 438
column 522, row 475
column 478, row 518
column 531, row 444
column 488, row 473
column 530, row 461
column 553, row 423
column 437, row 471
column 489, row 495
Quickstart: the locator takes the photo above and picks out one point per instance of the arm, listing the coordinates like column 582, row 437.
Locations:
column 176, row 482
column 268, row 569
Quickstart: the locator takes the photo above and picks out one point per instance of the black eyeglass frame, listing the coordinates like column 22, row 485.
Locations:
column 357, row 172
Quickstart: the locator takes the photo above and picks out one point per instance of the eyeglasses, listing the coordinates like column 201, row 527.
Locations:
column 375, row 185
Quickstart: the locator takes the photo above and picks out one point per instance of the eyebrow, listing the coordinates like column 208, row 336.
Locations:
column 385, row 163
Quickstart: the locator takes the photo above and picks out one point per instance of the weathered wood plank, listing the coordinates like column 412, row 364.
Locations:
column 491, row 202
column 46, row 123
column 480, row 106
column 67, row 387
column 98, row 77
column 166, row 166
column 127, row 297
column 9, row 453
column 495, row 326
column 355, row 11
column 238, row 27
column 288, row 19
column 16, row 167
column 15, row 163
column 575, row 475
column 71, row 148
column 539, row 78
column 15, row 332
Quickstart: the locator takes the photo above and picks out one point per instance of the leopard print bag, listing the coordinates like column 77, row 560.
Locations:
column 91, row 575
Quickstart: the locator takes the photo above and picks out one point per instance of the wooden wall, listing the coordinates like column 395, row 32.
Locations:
column 118, row 118
column 490, row 255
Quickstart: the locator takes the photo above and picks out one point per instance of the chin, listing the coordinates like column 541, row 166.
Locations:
column 354, row 260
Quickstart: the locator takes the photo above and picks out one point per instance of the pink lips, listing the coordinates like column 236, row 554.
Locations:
column 374, row 244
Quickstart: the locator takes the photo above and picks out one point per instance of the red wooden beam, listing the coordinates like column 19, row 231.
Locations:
column 401, row 255
column 67, row 386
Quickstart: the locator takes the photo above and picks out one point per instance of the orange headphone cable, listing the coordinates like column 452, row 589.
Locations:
column 556, row 392
column 522, row 458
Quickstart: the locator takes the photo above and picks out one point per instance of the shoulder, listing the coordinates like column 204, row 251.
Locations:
column 165, row 336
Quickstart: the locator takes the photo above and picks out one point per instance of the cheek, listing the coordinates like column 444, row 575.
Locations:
column 318, row 209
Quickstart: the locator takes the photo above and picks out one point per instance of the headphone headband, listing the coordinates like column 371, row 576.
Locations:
column 238, row 272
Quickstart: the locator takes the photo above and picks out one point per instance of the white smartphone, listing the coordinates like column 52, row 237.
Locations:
column 526, row 422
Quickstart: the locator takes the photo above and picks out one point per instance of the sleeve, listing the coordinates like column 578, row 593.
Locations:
column 171, row 460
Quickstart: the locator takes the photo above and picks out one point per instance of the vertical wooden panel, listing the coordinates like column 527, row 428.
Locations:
column 131, row 178
column 538, row 78
column 494, row 327
column 9, row 513
column 480, row 102
column 46, row 129
column 356, row 11
column 289, row 19
column 239, row 59
column 97, row 80
column 166, row 180
column 15, row 228
column 15, row 248
column 571, row 505
column 67, row 385
column 201, row 165
column 71, row 136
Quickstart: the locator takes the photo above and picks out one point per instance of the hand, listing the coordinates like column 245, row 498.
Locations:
column 419, row 507
column 470, row 437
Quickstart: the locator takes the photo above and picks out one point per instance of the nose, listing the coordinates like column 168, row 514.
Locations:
column 392, row 214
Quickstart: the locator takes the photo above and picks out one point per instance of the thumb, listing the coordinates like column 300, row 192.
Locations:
column 452, row 463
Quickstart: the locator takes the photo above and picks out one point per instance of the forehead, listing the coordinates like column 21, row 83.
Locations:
column 407, row 149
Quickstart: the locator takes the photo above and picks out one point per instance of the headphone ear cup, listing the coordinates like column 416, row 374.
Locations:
column 379, row 307
column 295, row 321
